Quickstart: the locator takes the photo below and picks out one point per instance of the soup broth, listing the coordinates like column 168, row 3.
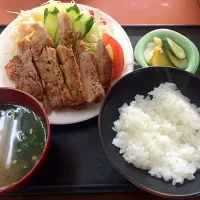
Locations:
column 22, row 140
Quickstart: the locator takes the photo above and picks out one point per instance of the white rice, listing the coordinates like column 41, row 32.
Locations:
column 161, row 134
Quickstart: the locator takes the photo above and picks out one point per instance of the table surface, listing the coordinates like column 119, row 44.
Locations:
column 125, row 12
column 121, row 196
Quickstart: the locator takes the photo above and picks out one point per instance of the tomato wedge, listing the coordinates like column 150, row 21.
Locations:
column 118, row 55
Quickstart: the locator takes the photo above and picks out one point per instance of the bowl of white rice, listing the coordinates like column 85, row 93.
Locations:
column 149, row 126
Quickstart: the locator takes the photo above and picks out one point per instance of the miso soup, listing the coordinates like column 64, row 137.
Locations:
column 22, row 140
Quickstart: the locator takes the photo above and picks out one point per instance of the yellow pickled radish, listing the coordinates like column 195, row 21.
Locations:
column 109, row 49
column 158, row 42
column 157, row 48
column 159, row 59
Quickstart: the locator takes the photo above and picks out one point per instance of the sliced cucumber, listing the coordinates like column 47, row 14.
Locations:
column 46, row 11
column 83, row 23
column 51, row 21
column 73, row 12
column 59, row 42
column 180, row 63
column 174, row 48
column 57, row 36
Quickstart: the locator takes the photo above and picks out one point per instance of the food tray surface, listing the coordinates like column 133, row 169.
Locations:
column 77, row 162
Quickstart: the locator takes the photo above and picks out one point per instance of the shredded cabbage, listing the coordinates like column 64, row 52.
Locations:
column 98, row 28
column 91, row 47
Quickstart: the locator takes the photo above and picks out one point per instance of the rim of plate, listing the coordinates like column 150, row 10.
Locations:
column 131, row 57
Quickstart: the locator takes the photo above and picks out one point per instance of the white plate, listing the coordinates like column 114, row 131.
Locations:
column 67, row 116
